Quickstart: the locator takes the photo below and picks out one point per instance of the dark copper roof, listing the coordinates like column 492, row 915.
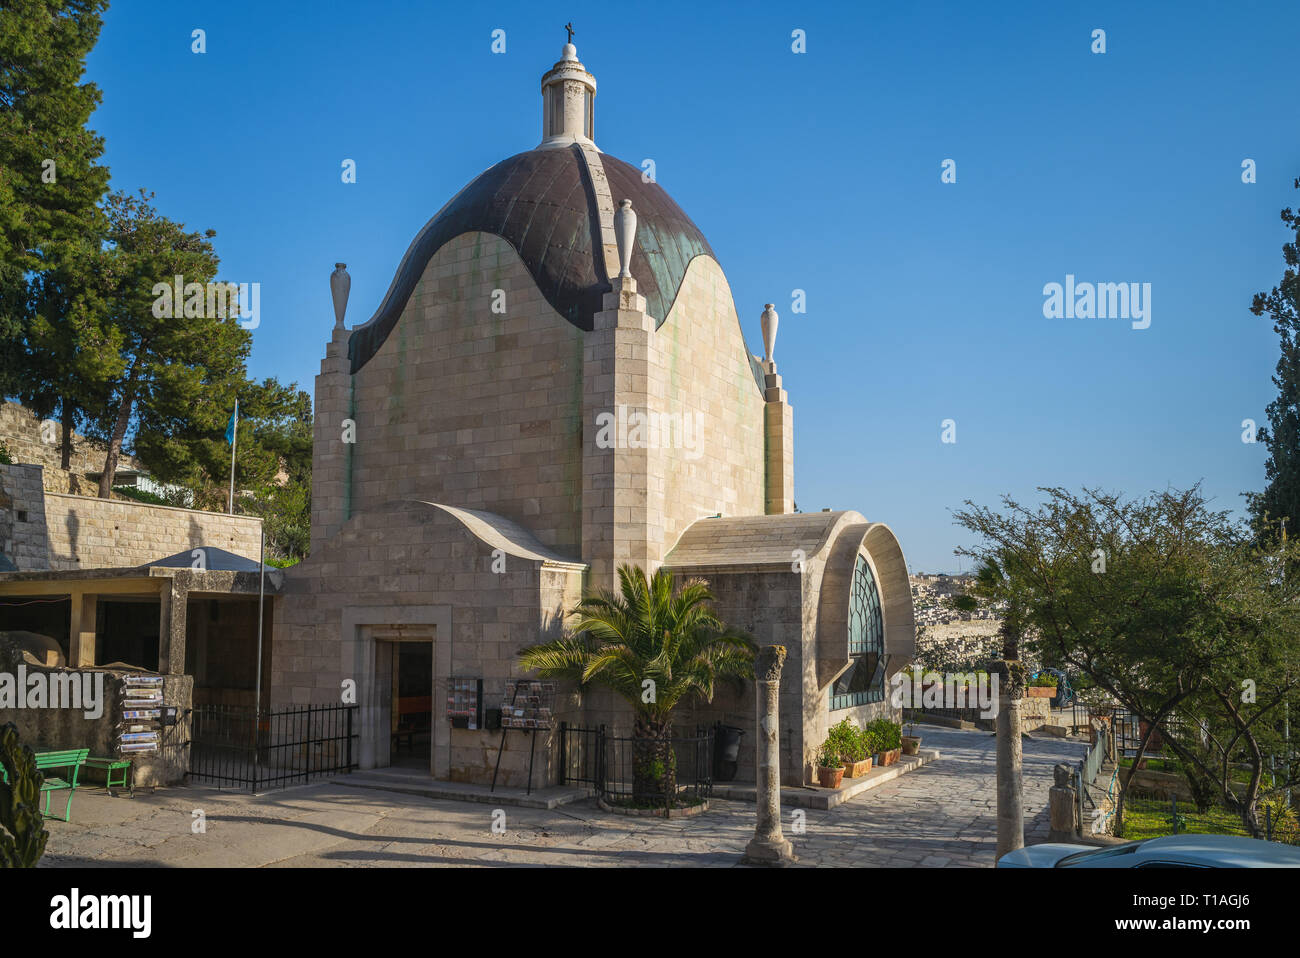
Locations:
column 543, row 204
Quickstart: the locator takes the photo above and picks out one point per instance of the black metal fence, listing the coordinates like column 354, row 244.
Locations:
column 231, row 746
column 644, row 773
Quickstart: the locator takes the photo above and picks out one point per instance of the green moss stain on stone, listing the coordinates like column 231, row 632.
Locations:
column 348, row 448
column 573, row 417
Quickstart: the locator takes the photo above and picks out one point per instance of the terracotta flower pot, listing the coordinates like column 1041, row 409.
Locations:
column 911, row 744
column 857, row 769
column 830, row 777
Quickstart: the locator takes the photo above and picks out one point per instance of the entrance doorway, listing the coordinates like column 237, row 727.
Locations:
column 411, row 709
column 404, row 667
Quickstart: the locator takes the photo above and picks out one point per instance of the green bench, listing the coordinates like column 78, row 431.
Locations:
column 72, row 758
column 109, row 766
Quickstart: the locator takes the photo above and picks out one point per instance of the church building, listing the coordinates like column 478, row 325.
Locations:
column 557, row 382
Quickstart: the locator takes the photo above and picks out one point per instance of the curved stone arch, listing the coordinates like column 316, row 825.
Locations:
column 878, row 545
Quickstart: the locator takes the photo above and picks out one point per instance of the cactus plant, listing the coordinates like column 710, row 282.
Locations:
column 22, row 837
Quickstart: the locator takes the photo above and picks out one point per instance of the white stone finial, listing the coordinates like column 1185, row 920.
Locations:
column 625, row 236
column 570, row 52
column 770, row 320
column 340, row 286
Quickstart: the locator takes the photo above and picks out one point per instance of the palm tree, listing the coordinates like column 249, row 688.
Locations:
column 654, row 646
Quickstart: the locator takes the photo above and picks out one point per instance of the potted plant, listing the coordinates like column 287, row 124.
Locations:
column 888, row 737
column 846, row 740
column 829, row 770
column 1042, row 686
column 911, row 741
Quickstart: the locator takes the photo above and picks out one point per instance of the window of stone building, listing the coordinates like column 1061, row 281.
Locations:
column 557, row 109
column 864, row 682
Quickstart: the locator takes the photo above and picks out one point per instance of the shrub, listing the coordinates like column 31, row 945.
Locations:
column 845, row 741
column 885, row 734
column 140, row 495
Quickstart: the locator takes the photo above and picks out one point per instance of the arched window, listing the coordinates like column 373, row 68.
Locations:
column 864, row 682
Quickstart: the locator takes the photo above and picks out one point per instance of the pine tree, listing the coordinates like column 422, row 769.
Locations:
column 1281, row 498
column 50, row 184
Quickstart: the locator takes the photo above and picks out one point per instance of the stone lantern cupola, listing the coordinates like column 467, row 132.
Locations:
column 568, row 102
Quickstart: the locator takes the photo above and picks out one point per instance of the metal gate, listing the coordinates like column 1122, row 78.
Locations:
column 237, row 747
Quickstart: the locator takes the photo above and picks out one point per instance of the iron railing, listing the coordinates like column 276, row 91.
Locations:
column 645, row 773
column 233, row 746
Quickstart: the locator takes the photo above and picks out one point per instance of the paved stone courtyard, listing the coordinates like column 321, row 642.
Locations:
column 941, row 815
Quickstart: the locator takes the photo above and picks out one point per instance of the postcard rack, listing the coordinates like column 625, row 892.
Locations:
column 526, row 705
column 142, row 713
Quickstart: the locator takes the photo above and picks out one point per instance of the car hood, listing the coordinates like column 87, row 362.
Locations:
column 1039, row 856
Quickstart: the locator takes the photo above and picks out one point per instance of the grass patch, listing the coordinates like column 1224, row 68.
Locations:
column 1151, row 820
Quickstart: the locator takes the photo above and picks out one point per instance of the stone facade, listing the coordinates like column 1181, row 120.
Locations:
column 514, row 422
column 778, row 578
column 415, row 571
column 466, row 406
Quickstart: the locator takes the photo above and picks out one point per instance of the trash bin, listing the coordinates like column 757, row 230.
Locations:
column 726, row 752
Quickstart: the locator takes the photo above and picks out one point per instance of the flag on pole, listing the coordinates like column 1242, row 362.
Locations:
column 231, row 431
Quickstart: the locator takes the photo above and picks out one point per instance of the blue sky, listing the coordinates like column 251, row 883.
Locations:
column 817, row 171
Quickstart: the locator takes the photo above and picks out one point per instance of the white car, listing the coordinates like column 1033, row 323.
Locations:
column 1169, row 851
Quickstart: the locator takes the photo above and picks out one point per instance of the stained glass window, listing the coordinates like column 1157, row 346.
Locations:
column 864, row 682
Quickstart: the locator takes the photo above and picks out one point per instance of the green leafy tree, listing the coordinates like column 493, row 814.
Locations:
column 654, row 647
column 22, row 835
column 1169, row 607
column 50, row 184
column 172, row 371
column 1281, row 497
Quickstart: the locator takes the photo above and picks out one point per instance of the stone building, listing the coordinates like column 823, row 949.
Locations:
column 556, row 383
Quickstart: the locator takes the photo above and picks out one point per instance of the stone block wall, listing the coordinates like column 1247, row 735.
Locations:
column 23, row 536
column 470, row 407
column 702, row 368
column 86, row 533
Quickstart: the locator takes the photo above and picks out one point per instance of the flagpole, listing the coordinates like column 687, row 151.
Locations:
column 234, row 437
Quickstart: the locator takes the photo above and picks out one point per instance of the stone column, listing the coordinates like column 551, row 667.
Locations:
column 778, row 429
column 768, row 846
column 81, row 637
column 171, row 623
column 1010, row 759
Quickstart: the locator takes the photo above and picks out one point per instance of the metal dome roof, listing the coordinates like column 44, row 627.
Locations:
column 543, row 203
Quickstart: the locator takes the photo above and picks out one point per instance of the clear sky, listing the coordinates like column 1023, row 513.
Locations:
column 818, row 171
